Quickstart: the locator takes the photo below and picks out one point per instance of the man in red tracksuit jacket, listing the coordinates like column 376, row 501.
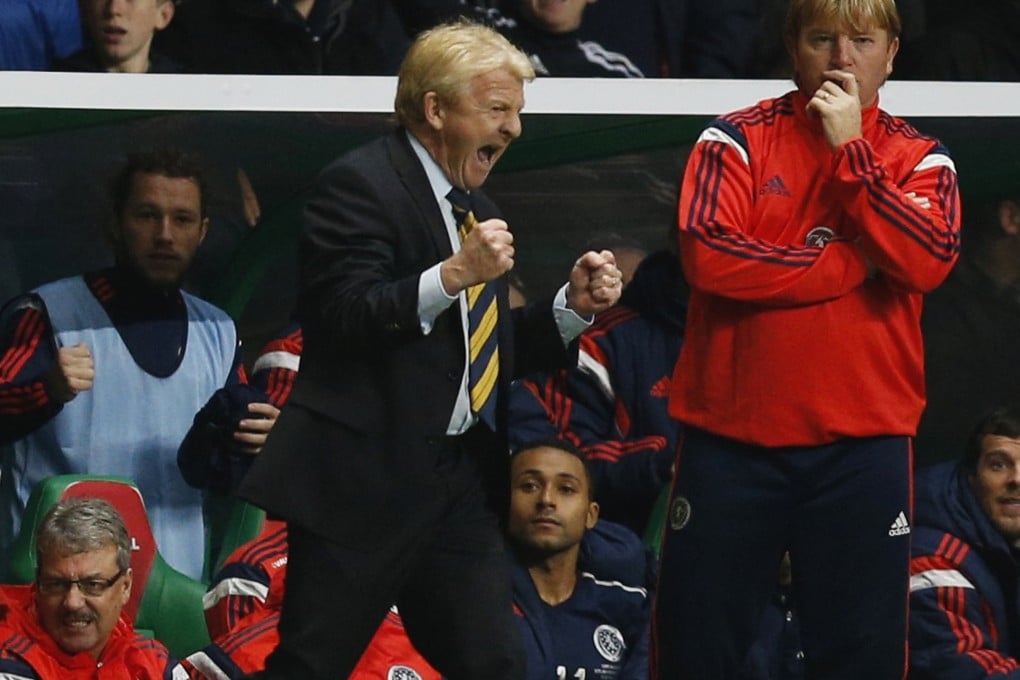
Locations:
column 810, row 226
column 27, row 652
column 68, row 624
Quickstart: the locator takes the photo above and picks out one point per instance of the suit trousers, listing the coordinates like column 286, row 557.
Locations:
column 446, row 568
column 842, row 510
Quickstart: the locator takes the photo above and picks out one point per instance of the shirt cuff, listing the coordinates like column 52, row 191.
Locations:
column 568, row 322
column 432, row 298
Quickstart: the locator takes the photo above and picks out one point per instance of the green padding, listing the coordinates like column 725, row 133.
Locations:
column 171, row 608
column 656, row 523
column 231, row 523
column 275, row 238
column 552, row 140
column 27, row 122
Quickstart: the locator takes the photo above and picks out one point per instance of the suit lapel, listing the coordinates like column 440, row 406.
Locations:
column 416, row 183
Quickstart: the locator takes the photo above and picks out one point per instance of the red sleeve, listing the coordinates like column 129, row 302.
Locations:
column 28, row 355
column 148, row 659
column 722, row 258
column 914, row 246
column 952, row 631
column 277, row 365
column 250, row 583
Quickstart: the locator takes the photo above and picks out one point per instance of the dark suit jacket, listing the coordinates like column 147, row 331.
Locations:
column 349, row 455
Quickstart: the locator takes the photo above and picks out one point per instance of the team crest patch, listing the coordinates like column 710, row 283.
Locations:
column 609, row 643
column 679, row 513
column 818, row 237
column 402, row 673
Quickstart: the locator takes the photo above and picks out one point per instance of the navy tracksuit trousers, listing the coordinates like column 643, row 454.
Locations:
column 843, row 510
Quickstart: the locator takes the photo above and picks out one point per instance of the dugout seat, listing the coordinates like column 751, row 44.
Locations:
column 656, row 526
column 233, row 523
column 164, row 602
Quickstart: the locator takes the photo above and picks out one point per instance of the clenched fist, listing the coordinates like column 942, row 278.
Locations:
column 595, row 283
column 71, row 374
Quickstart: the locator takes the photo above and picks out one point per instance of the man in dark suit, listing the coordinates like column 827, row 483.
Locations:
column 385, row 469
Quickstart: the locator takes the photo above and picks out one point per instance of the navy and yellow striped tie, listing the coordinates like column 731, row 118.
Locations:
column 483, row 366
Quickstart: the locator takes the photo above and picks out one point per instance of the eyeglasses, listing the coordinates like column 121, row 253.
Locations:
column 89, row 587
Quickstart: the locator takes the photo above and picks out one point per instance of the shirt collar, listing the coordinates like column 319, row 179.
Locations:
column 438, row 180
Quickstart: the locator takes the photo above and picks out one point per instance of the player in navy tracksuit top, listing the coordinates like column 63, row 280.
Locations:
column 216, row 453
column 579, row 587
column 964, row 566
column 613, row 404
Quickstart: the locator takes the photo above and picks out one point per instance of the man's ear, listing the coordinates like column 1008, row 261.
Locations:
column 128, row 579
column 435, row 116
column 165, row 12
column 593, row 515
column 204, row 228
column 1009, row 217
column 894, row 47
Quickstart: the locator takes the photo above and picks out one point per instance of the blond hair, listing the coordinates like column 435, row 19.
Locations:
column 446, row 58
column 853, row 14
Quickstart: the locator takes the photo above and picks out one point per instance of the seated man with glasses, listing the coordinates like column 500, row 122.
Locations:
column 68, row 624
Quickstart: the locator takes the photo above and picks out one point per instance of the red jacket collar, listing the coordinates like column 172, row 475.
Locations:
column 22, row 618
